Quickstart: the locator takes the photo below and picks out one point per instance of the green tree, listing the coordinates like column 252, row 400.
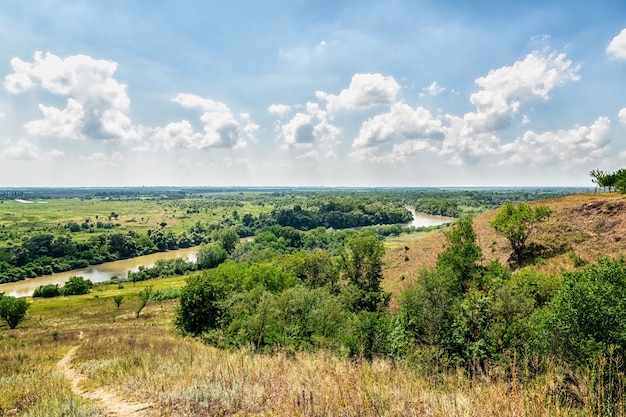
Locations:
column 13, row 310
column 227, row 239
column 210, row 256
column 364, row 271
column 117, row 299
column 516, row 222
column 200, row 307
column 144, row 296
column 76, row 285
column 462, row 254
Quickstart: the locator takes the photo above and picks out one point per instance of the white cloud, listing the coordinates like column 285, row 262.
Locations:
column 578, row 145
column 311, row 155
column 97, row 104
column 306, row 128
column 26, row 151
column 622, row 115
column 220, row 127
column 617, row 46
column 433, row 89
column 402, row 151
column 299, row 130
column 279, row 110
column 402, row 122
column 365, row 90
column 22, row 150
column 506, row 88
column 113, row 159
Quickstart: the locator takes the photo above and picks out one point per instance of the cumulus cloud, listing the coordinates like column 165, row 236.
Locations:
column 433, row 89
column 506, row 88
column 312, row 155
column 402, row 122
column 97, row 105
column 279, row 110
column 26, row 151
column 578, row 145
column 113, row 159
column 306, row 128
column 365, row 90
column 622, row 115
column 617, row 46
column 221, row 129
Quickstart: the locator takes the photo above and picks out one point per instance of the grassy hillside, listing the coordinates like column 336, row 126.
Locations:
column 586, row 226
column 143, row 360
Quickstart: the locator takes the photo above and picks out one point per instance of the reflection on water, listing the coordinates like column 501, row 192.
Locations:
column 425, row 220
column 96, row 273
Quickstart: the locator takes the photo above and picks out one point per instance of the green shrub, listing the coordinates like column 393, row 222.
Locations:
column 47, row 291
column 13, row 310
column 165, row 294
column 76, row 285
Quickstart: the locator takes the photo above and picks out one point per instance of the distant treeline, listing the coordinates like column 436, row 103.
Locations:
column 47, row 253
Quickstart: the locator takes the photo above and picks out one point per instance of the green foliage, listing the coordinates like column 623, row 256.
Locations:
column 13, row 310
column 363, row 269
column 76, row 285
column 462, row 255
column 117, row 299
column 227, row 239
column 144, row 296
column 200, row 307
column 165, row 294
column 587, row 316
column 516, row 222
column 47, row 291
column 210, row 256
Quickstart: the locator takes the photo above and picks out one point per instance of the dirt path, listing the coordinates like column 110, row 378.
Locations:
column 112, row 403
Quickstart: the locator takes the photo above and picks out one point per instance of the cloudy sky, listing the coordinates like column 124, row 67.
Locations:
column 296, row 92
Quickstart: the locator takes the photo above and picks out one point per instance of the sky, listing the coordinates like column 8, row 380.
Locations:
column 395, row 93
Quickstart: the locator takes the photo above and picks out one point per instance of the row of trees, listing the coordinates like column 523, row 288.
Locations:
column 606, row 180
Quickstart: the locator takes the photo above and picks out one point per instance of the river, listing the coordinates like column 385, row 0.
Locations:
column 104, row 272
column 96, row 273
column 424, row 220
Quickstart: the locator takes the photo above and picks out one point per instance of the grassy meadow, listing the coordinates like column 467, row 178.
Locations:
column 18, row 219
column 143, row 359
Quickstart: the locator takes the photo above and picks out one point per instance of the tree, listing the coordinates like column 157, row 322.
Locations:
column 516, row 222
column 13, row 310
column 227, row 239
column 364, row 270
column 200, row 305
column 76, row 285
column 463, row 253
column 210, row 256
column 117, row 299
column 598, row 177
column 144, row 296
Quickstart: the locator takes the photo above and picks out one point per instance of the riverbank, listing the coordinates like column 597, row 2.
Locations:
column 97, row 273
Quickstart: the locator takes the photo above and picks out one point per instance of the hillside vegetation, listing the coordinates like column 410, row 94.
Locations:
column 585, row 226
column 464, row 334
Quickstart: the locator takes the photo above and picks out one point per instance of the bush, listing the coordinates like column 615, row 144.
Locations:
column 47, row 291
column 13, row 310
column 77, row 286
column 210, row 256
column 165, row 294
column 200, row 307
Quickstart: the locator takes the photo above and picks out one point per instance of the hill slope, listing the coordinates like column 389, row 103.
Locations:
column 588, row 226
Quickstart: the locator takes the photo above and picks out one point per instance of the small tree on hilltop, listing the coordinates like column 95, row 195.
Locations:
column 13, row 310
column 516, row 222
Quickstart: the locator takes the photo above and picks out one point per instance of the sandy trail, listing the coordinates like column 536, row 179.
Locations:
column 112, row 403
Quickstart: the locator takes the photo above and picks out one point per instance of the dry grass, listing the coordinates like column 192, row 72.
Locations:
column 146, row 361
column 590, row 225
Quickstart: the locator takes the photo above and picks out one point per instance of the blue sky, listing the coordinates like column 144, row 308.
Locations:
column 319, row 93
